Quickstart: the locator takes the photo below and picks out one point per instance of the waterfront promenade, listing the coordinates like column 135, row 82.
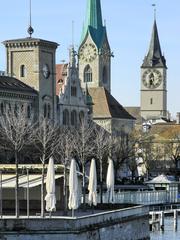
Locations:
column 129, row 223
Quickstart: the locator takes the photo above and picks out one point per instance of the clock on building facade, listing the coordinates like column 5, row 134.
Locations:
column 152, row 78
column 88, row 52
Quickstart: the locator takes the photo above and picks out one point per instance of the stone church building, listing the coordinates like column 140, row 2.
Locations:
column 65, row 93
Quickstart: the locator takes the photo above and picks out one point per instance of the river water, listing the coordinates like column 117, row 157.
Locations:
column 169, row 233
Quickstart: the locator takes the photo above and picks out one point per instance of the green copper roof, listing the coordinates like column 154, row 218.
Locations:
column 94, row 15
column 93, row 23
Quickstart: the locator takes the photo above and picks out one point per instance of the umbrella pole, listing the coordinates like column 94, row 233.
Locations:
column 72, row 212
column 27, row 192
column 1, row 201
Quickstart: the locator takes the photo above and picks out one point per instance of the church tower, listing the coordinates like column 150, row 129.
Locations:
column 94, row 51
column 153, row 80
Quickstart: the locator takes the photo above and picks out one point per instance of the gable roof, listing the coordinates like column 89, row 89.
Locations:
column 15, row 85
column 106, row 106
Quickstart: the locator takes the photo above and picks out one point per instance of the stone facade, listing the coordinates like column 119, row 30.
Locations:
column 72, row 108
column 154, row 81
column 154, row 100
column 15, row 95
column 32, row 61
column 100, row 64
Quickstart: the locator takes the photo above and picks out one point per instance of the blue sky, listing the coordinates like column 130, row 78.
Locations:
column 129, row 25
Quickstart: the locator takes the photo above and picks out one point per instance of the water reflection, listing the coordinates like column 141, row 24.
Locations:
column 169, row 233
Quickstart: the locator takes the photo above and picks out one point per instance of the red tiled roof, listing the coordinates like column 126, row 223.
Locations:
column 106, row 106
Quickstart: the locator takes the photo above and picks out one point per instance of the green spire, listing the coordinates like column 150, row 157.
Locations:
column 93, row 23
column 94, row 15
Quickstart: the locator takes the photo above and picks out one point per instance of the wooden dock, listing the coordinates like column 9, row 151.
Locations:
column 157, row 219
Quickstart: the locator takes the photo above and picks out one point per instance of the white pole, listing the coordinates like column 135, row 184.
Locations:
column 27, row 192
column 162, row 220
column 175, row 219
column 1, row 196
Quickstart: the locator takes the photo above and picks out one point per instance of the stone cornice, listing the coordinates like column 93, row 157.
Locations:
column 17, row 95
column 29, row 42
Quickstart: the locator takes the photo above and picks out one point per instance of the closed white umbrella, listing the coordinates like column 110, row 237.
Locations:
column 110, row 181
column 73, row 187
column 50, row 187
column 92, row 187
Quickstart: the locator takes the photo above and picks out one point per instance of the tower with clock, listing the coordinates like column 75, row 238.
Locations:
column 94, row 51
column 32, row 61
column 153, row 80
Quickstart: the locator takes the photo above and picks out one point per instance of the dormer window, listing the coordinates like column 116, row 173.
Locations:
column 87, row 74
column 22, row 71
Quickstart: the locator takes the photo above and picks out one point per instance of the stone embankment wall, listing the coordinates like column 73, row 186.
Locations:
column 127, row 224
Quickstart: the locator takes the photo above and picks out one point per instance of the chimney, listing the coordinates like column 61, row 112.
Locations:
column 178, row 118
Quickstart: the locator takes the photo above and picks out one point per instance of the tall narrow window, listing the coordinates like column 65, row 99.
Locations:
column 65, row 117
column 151, row 101
column 81, row 116
column 49, row 111
column 87, row 74
column 45, row 110
column 73, row 91
column 73, row 118
column 2, row 108
column 104, row 75
column 16, row 110
column 28, row 112
column 22, row 71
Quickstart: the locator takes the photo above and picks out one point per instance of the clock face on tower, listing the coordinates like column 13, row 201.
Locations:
column 88, row 52
column 46, row 71
column 152, row 78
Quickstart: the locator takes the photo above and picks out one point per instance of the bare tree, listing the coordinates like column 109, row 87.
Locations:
column 101, row 142
column 123, row 149
column 45, row 140
column 172, row 149
column 84, row 147
column 64, row 151
column 16, row 132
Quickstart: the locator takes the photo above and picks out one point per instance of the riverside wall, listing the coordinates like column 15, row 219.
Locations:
column 125, row 224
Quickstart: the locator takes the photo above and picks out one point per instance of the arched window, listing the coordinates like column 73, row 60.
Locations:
column 22, row 71
column 73, row 118
column 104, row 75
column 49, row 111
column 28, row 112
column 81, row 116
column 45, row 110
column 87, row 74
column 66, row 117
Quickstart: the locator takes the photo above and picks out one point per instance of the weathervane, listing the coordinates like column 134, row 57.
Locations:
column 30, row 29
column 154, row 6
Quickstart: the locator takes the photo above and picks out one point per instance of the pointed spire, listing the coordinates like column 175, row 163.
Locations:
column 72, row 57
column 30, row 29
column 94, row 23
column 154, row 56
column 94, row 14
